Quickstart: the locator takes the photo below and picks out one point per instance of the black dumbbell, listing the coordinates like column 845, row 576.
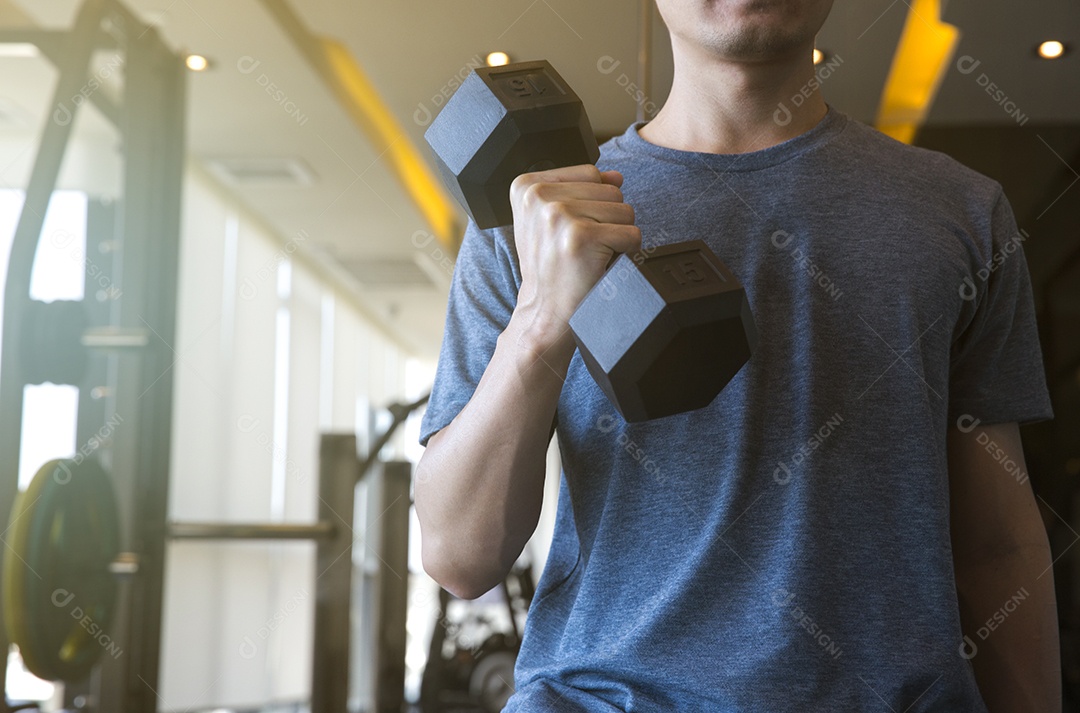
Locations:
column 666, row 328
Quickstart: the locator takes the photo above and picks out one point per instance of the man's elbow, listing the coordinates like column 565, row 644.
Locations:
column 443, row 566
column 456, row 540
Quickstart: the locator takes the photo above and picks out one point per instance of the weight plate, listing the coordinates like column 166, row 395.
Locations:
column 16, row 574
column 69, row 593
column 491, row 682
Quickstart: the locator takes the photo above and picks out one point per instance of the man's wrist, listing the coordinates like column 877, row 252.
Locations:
column 538, row 336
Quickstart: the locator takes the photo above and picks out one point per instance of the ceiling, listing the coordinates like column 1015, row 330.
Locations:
column 352, row 208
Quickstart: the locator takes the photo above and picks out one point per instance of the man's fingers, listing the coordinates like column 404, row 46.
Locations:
column 602, row 211
column 585, row 173
column 613, row 178
column 621, row 238
column 586, row 236
column 569, row 192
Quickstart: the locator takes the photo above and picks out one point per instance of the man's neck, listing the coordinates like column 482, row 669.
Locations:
column 724, row 107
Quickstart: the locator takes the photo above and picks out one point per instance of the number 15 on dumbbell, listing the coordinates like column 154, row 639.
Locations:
column 666, row 328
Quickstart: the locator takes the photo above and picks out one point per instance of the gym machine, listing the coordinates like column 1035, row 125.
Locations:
column 470, row 664
column 121, row 347
column 84, row 563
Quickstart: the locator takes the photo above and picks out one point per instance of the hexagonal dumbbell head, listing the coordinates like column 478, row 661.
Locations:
column 503, row 122
column 664, row 331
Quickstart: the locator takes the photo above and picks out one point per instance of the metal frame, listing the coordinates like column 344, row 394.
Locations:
column 21, row 261
column 101, row 230
column 134, row 377
column 384, row 593
column 146, row 227
column 338, row 466
column 153, row 113
column 246, row 531
column 378, row 678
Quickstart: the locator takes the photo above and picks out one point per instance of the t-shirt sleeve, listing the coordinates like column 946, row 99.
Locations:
column 483, row 294
column 997, row 372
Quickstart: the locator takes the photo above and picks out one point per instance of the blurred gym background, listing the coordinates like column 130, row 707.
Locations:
column 227, row 258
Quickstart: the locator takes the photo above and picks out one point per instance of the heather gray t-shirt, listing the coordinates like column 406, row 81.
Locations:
column 786, row 548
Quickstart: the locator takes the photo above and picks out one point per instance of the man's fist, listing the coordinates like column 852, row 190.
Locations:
column 568, row 225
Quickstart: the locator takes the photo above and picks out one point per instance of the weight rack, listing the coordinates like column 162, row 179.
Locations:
column 127, row 347
column 145, row 227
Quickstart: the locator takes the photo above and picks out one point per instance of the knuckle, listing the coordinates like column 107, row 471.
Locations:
column 574, row 237
column 555, row 215
column 553, row 211
column 531, row 193
column 521, row 185
column 543, row 191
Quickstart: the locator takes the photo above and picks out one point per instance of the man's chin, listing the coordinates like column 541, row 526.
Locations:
column 758, row 44
column 750, row 30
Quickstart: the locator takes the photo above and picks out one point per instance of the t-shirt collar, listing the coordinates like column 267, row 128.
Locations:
column 822, row 133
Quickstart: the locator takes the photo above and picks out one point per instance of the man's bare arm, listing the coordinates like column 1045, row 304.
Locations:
column 480, row 484
column 1003, row 569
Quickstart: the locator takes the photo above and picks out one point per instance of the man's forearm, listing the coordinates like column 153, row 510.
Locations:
column 479, row 486
column 1009, row 616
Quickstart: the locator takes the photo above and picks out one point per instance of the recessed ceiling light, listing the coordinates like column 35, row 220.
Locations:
column 196, row 62
column 1051, row 49
column 497, row 59
column 18, row 49
column 819, row 56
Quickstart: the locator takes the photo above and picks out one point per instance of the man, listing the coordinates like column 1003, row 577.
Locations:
column 835, row 531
